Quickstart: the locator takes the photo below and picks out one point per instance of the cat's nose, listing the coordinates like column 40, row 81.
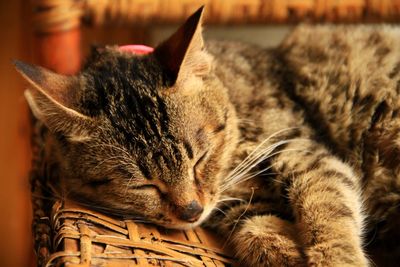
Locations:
column 191, row 212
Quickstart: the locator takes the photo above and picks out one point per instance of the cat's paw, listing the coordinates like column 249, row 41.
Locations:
column 267, row 241
column 332, row 255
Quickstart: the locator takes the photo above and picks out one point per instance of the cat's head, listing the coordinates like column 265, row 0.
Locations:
column 142, row 135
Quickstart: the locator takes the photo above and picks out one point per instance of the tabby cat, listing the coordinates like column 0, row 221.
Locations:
column 292, row 153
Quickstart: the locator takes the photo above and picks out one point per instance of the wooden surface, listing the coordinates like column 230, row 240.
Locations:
column 15, row 232
column 60, row 51
column 56, row 15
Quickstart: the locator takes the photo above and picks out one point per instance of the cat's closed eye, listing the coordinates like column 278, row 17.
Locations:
column 147, row 187
column 197, row 167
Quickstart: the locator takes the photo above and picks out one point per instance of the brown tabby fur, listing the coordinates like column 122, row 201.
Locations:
column 298, row 146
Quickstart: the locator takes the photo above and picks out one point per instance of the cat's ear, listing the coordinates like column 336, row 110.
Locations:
column 53, row 99
column 183, row 53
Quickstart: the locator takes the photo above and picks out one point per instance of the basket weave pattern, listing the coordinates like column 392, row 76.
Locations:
column 90, row 238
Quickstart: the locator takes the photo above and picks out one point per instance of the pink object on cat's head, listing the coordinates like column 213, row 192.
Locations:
column 136, row 49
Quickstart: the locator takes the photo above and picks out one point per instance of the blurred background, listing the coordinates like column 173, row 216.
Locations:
column 15, row 234
column 50, row 33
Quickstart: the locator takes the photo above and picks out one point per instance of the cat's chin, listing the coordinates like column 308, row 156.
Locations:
column 183, row 225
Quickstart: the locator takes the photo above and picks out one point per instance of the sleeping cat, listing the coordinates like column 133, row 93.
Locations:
column 291, row 153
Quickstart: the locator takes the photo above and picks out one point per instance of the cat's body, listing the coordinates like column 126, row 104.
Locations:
column 298, row 145
column 338, row 88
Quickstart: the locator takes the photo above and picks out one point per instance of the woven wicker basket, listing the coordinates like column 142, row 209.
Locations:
column 83, row 237
column 74, row 236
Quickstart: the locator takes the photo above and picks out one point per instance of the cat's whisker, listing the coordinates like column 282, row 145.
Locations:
column 241, row 177
column 238, row 219
column 266, row 152
column 250, row 175
column 254, row 157
column 250, row 162
column 277, row 180
column 218, row 209
column 255, row 153
column 262, row 143
column 227, row 201
column 230, row 199
column 251, row 154
column 264, row 155
column 244, row 178
column 261, row 156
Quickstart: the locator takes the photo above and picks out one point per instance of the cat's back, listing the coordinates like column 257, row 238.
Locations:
column 348, row 80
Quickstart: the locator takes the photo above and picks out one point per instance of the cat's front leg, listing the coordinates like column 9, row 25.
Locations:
column 253, row 230
column 326, row 202
column 267, row 241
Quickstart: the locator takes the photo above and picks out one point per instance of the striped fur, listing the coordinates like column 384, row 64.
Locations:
column 332, row 92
